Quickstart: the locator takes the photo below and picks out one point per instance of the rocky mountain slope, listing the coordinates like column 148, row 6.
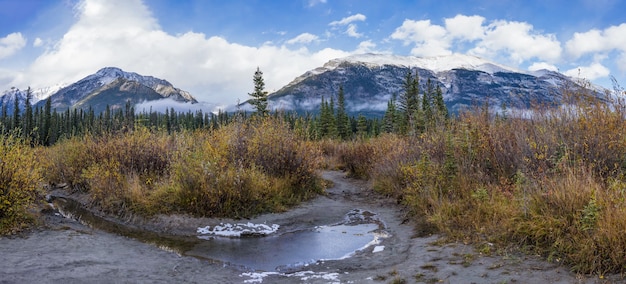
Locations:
column 108, row 86
column 370, row 80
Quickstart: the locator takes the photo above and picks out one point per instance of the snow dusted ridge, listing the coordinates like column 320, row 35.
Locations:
column 436, row 63
column 238, row 230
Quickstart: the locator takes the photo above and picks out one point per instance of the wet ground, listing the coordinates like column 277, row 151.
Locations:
column 70, row 252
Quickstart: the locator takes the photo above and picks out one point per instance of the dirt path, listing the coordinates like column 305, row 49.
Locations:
column 70, row 252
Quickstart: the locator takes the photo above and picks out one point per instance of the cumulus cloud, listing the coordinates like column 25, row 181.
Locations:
column 428, row 39
column 351, row 29
column 38, row 42
column 366, row 47
column 591, row 72
column 465, row 27
column 303, row 38
column 210, row 68
column 611, row 38
column 517, row 40
column 536, row 66
column 11, row 44
column 348, row 20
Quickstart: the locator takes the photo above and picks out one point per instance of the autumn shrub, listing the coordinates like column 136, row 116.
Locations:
column 360, row 156
column 244, row 169
column 550, row 180
column 103, row 166
column 20, row 184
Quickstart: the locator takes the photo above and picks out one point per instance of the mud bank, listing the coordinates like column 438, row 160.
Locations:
column 68, row 251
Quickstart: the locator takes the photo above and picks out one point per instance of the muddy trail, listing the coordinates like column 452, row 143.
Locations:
column 348, row 235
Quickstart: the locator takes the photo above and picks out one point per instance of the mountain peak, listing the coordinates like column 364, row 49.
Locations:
column 436, row 64
column 114, row 86
column 110, row 71
column 370, row 80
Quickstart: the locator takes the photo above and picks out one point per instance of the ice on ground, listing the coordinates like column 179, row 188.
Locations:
column 378, row 249
column 238, row 230
column 257, row 277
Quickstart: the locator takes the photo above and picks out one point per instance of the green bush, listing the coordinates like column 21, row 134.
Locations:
column 20, row 184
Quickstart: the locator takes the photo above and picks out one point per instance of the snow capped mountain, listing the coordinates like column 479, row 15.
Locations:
column 436, row 64
column 113, row 86
column 370, row 80
column 108, row 86
column 8, row 97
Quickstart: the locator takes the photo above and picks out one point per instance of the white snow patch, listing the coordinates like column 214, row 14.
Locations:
column 257, row 277
column 238, row 230
column 436, row 63
column 378, row 249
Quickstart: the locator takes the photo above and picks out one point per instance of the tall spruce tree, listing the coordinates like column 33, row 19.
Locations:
column 16, row 113
column 389, row 120
column 427, row 110
column 343, row 122
column 259, row 96
column 27, row 122
column 408, row 104
column 440, row 105
column 361, row 126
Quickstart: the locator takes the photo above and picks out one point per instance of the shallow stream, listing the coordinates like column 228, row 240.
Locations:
column 278, row 251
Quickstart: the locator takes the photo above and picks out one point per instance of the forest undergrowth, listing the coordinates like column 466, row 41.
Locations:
column 550, row 181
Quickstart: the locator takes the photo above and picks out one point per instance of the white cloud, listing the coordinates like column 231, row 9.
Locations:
column 515, row 41
column 313, row 3
column 465, row 27
column 591, row 72
column 518, row 41
column 592, row 41
column 303, row 38
column 348, row 20
column 541, row 66
column 366, row 47
column 351, row 31
column 210, row 68
column 11, row 44
column 429, row 39
column 38, row 42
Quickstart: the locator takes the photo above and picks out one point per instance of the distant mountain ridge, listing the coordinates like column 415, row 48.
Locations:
column 108, row 86
column 370, row 80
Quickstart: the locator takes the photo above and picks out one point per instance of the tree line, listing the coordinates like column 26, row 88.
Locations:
column 413, row 112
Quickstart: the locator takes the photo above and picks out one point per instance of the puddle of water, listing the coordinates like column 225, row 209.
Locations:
column 288, row 250
column 278, row 252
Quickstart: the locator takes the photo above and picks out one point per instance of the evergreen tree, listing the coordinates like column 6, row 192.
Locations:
column 343, row 122
column 259, row 96
column 440, row 105
column 16, row 113
column 27, row 122
column 427, row 110
column 389, row 120
column 328, row 125
column 361, row 128
column 408, row 104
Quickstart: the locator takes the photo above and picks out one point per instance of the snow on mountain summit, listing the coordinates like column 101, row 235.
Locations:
column 435, row 63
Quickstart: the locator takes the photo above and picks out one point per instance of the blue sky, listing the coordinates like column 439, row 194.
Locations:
column 212, row 48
